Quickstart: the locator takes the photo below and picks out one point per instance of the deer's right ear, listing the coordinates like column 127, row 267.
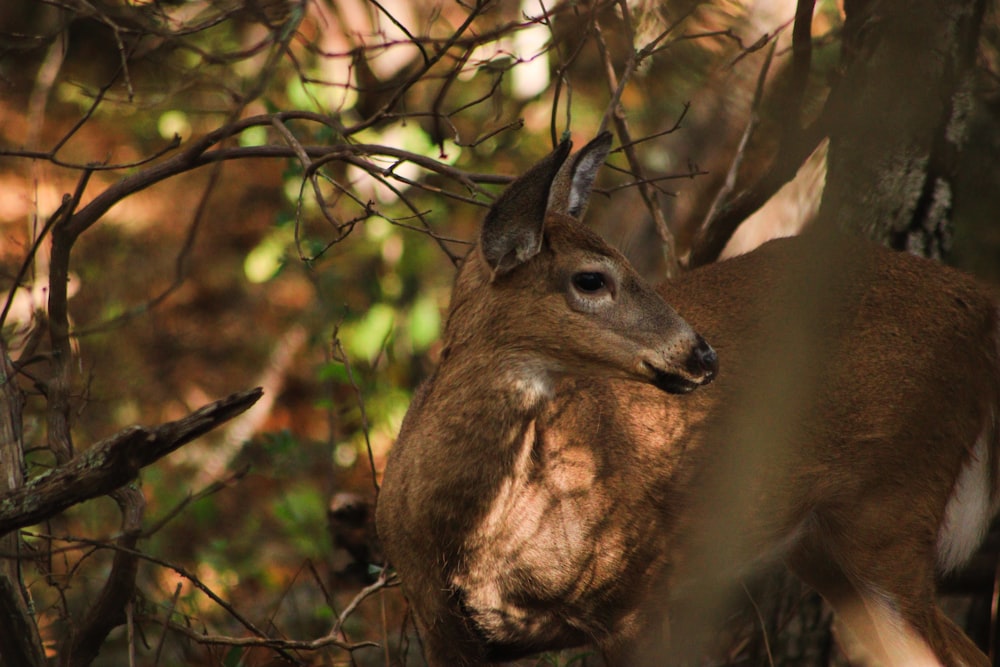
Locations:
column 512, row 231
column 572, row 186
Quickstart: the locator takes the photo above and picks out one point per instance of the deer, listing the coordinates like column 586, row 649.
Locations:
column 595, row 462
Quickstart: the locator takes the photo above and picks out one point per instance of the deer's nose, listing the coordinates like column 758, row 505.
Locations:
column 703, row 362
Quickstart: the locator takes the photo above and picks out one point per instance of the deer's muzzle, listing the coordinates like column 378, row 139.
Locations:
column 699, row 369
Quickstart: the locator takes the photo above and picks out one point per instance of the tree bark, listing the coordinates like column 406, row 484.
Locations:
column 898, row 120
column 112, row 463
column 20, row 643
column 895, row 122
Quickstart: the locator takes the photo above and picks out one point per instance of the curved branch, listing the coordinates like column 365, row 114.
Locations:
column 198, row 155
column 795, row 145
column 269, row 642
column 108, row 611
column 717, row 231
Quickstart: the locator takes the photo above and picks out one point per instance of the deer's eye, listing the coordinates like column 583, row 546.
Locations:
column 590, row 281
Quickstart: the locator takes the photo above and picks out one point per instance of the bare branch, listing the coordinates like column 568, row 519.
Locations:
column 616, row 87
column 801, row 62
column 724, row 193
column 691, row 173
column 764, row 40
column 109, row 610
column 268, row 642
column 397, row 96
column 210, row 489
column 656, row 135
column 112, row 463
column 58, row 388
column 796, row 144
column 183, row 572
column 330, row 639
column 20, row 643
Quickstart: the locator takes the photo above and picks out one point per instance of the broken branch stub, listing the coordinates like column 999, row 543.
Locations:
column 113, row 462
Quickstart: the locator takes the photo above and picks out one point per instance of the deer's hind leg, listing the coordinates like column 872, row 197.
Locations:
column 891, row 615
column 914, row 632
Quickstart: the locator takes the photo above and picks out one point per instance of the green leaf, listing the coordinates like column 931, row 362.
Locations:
column 266, row 260
column 234, row 657
column 364, row 339
column 425, row 323
column 253, row 136
column 333, row 370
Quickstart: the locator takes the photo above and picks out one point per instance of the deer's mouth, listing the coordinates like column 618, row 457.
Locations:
column 672, row 383
column 700, row 369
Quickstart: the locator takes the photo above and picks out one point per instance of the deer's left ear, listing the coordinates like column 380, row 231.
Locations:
column 571, row 188
column 512, row 230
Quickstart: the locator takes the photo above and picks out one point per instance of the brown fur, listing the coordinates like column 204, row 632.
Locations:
column 543, row 493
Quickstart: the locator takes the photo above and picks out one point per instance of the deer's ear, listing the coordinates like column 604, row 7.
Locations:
column 571, row 188
column 512, row 231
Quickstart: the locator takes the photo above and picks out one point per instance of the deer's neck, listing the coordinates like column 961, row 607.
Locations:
column 473, row 421
column 480, row 414
column 486, row 399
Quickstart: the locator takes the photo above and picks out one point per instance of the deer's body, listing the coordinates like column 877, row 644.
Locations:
column 547, row 492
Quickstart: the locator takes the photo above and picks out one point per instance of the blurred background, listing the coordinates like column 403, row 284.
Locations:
column 307, row 245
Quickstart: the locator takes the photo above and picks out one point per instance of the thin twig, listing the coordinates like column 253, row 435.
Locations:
column 729, row 184
column 409, row 36
column 331, row 638
column 122, row 55
column 764, row 40
column 166, row 619
column 656, row 135
column 269, row 642
column 417, row 76
column 616, row 87
column 339, row 354
column 763, row 625
column 180, row 570
column 211, row 489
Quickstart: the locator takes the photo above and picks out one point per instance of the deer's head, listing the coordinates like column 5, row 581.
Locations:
column 552, row 297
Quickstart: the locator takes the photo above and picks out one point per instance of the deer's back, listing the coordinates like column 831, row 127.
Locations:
column 878, row 381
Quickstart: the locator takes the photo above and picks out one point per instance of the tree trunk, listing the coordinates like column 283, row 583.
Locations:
column 898, row 120
column 896, row 127
column 20, row 643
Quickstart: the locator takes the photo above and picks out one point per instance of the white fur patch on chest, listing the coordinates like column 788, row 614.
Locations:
column 970, row 508
column 531, row 382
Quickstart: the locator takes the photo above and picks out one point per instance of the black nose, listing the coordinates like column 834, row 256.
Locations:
column 703, row 361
